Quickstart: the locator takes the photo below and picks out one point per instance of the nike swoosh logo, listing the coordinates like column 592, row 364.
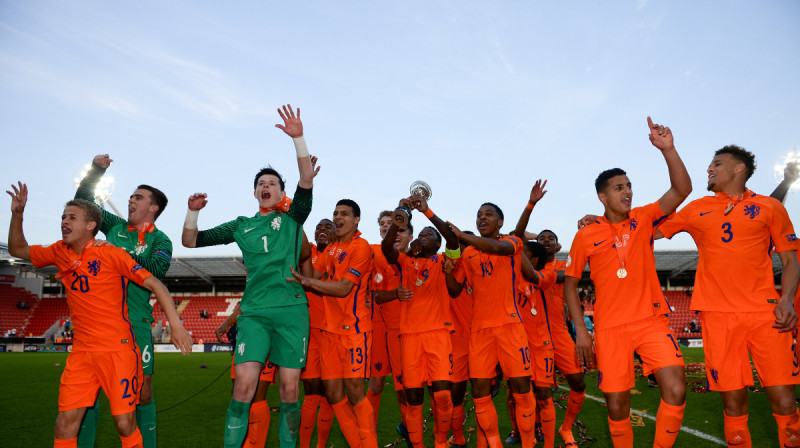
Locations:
column 356, row 370
column 528, row 368
column 740, row 443
column 235, row 427
column 705, row 213
column 247, row 230
column 473, row 256
column 301, row 359
column 601, row 242
column 671, row 432
column 529, row 415
column 121, row 235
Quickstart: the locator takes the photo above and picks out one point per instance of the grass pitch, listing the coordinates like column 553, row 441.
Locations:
column 192, row 401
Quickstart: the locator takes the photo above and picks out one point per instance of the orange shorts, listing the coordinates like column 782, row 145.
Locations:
column 507, row 344
column 267, row 374
column 395, row 359
column 542, row 358
column 118, row 373
column 346, row 355
column 564, row 349
column 727, row 338
column 460, row 358
column 651, row 338
column 380, row 351
column 313, row 368
column 427, row 357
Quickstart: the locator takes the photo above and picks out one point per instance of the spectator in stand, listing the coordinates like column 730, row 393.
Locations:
column 204, row 314
column 587, row 320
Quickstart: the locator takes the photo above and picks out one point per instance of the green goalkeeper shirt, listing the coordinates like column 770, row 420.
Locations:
column 270, row 245
column 154, row 254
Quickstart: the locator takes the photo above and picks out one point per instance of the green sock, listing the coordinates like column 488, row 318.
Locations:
column 289, row 424
column 89, row 425
column 146, row 420
column 236, row 423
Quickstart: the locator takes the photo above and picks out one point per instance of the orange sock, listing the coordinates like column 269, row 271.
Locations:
column 526, row 418
column 375, row 401
column 324, row 422
column 668, row 424
column 414, row 424
column 574, row 404
column 66, row 443
column 547, row 412
column 512, row 410
column 308, row 418
column 457, row 425
column 257, row 425
column 403, row 412
column 486, row 417
column 788, row 429
column 736, row 431
column 443, row 414
column 366, row 424
column 621, row 433
column 132, row 441
column 347, row 422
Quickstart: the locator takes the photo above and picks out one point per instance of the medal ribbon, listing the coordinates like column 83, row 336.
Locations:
column 282, row 205
column 732, row 201
column 621, row 239
column 147, row 227
column 75, row 263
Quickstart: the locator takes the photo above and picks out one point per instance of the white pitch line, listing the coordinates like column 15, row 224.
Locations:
column 685, row 429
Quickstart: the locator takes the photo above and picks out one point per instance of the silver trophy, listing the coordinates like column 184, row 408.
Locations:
column 402, row 214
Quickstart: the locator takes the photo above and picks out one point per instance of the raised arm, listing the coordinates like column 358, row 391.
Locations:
column 387, row 245
column 339, row 288
column 196, row 203
column 293, row 127
column 790, row 174
column 421, row 204
column 483, row 244
column 680, row 182
column 86, row 189
column 179, row 336
column 537, row 192
column 17, row 244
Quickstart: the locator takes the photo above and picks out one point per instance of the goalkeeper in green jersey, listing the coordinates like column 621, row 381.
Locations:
column 274, row 319
column 152, row 249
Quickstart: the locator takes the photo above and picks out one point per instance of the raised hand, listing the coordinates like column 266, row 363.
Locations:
column 449, row 265
column 19, row 197
column 418, row 202
column 314, row 166
column 792, row 171
column 586, row 220
column 103, row 160
column 456, row 230
column 414, row 248
column 660, row 136
column 538, row 191
column 292, row 125
column 197, row 201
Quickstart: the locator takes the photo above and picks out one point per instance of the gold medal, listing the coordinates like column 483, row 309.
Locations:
column 469, row 291
column 533, row 311
column 622, row 273
column 419, row 282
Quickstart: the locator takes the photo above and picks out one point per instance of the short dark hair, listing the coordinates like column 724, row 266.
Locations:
column 601, row 182
column 352, row 204
column 436, row 233
column 157, row 197
column 383, row 214
column 497, row 209
column 468, row 232
column 538, row 251
column 269, row 170
column 742, row 155
column 549, row 231
column 93, row 213
column 410, row 228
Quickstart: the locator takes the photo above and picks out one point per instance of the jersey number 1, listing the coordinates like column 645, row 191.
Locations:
column 266, row 249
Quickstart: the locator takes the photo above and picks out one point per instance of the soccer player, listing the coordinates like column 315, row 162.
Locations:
column 734, row 290
column 152, row 249
column 274, row 318
column 104, row 353
column 425, row 321
column 492, row 266
column 630, row 307
column 313, row 387
column 342, row 275
column 562, row 343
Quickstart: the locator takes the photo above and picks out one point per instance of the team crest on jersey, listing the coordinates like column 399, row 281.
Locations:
column 752, row 210
column 140, row 248
column 599, row 377
column 378, row 366
column 240, row 349
column 276, row 223
column 634, row 223
column 378, row 278
column 715, row 375
column 94, row 267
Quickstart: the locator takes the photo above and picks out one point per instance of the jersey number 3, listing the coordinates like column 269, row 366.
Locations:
column 726, row 231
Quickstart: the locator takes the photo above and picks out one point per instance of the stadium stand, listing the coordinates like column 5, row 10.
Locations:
column 48, row 311
column 11, row 316
column 190, row 309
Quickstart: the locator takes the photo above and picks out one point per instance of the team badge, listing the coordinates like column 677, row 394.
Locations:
column 715, row 375
column 276, row 223
column 94, row 267
column 241, row 349
column 752, row 210
column 140, row 248
column 378, row 278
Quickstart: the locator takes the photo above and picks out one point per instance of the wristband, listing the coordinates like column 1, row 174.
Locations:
column 453, row 254
column 191, row 219
column 428, row 213
column 529, row 206
column 300, row 146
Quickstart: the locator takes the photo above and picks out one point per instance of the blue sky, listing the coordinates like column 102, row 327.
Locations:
column 477, row 98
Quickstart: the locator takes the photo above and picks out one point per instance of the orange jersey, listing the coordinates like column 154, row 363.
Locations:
column 351, row 260
column 494, row 284
column 429, row 309
column 734, row 271
column 96, row 281
column 533, row 307
column 638, row 295
column 461, row 310
column 316, row 310
column 555, row 295
column 385, row 278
